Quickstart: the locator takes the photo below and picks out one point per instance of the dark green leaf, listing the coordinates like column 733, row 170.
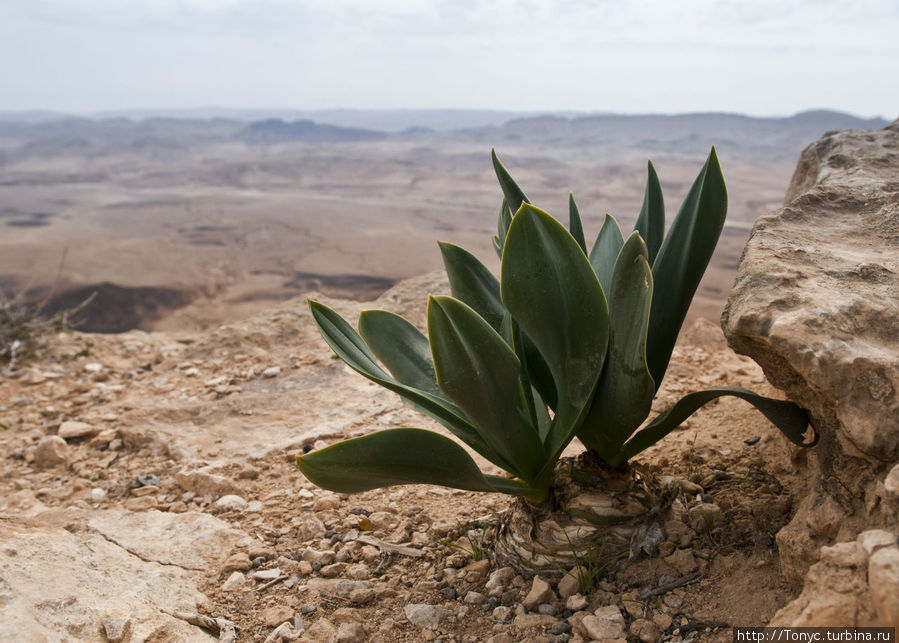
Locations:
column 605, row 251
column 478, row 370
column 351, row 348
column 505, row 219
column 393, row 457
column 553, row 293
column 472, row 283
column 624, row 394
column 402, row 348
column 514, row 195
column 651, row 222
column 791, row 419
column 682, row 260
column 574, row 223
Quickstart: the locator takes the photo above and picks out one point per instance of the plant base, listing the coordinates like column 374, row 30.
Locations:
column 596, row 516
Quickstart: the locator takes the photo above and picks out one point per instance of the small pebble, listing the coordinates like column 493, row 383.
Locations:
column 231, row 502
column 547, row 609
column 308, row 608
column 148, row 480
column 272, row 371
column 448, row 593
column 503, row 614
column 560, row 627
column 98, row 494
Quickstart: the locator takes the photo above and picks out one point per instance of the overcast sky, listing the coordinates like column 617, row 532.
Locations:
column 761, row 57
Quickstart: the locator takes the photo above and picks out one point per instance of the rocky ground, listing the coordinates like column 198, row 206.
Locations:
column 148, row 492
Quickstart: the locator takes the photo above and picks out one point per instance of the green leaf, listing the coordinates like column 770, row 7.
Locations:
column 682, row 260
column 393, row 457
column 505, row 219
column 624, row 394
column 790, row 418
column 472, row 283
column 514, row 195
column 402, row 348
column 605, row 251
column 574, row 223
column 478, row 370
column 552, row 292
column 651, row 222
column 351, row 348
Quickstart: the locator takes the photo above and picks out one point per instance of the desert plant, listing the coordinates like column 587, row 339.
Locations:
column 23, row 328
column 567, row 342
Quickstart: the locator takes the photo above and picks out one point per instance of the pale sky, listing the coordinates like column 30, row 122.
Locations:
column 760, row 57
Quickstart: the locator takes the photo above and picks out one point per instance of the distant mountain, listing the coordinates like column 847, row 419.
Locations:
column 387, row 120
column 277, row 131
column 679, row 134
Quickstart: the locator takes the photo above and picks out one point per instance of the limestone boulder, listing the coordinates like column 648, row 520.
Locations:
column 854, row 584
column 816, row 304
column 72, row 584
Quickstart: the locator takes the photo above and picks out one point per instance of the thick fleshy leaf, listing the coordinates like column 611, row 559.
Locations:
column 351, row 348
column 472, row 283
column 575, row 227
column 515, row 196
column 790, row 418
column 552, row 292
column 682, row 260
column 624, row 394
column 393, row 457
column 505, row 219
column 402, row 348
column 605, row 251
column 651, row 222
column 478, row 370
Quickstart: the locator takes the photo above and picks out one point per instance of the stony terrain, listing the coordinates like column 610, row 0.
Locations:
column 151, row 474
column 148, row 492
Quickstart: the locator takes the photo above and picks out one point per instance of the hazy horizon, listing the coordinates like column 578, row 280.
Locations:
column 759, row 58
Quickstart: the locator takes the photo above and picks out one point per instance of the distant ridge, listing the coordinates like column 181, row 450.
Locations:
column 274, row 130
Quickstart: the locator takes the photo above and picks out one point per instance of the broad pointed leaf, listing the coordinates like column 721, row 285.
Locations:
column 351, row 348
column 505, row 219
column 472, row 283
column 682, row 260
column 651, row 222
column 478, row 370
column 515, row 196
column 393, row 457
column 605, row 251
column 402, row 348
column 790, row 418
column 551, row 290
column 624, row 394
column 575, row 226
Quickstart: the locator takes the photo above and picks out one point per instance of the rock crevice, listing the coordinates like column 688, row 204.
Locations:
column 816, row 304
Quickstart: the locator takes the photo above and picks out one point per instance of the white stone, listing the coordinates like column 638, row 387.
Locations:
column 874, row 539
column 425, row 616
column 234, row 582
column 98, row 494
column 72, row 429
column 272, row 371
column 93, row 367
column 883, row 578
column 231, row 502
column 891, row 483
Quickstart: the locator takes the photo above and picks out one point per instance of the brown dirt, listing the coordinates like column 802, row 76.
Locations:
column 168, row 402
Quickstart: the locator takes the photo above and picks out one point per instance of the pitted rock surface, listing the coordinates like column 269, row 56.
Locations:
column 816, row 304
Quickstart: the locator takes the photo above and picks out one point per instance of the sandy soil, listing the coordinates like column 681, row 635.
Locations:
column 167, row 403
